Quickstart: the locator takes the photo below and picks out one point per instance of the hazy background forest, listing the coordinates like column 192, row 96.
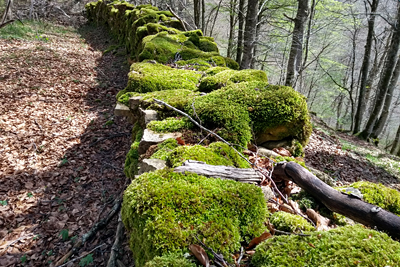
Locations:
column 342, row 55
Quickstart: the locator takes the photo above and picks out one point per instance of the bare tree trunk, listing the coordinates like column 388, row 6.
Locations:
column 232, row 23
column 364, row 68
column 249, row 34
column 196, row 13
column 385, row 79
column 388, row 101
column 215, row 17
column 239, row 50
column 8, row 12
column 296, row 49
column 396, row 143
column 203, row 15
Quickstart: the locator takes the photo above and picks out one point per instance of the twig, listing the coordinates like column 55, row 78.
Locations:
column 176, row 16
column 84, row 255
column 241, row 255
column 62, row 11
column 109, row 137
column 288, row 233
column 112, row 261
column 217, row 256
column 99, row 225
column 112, row 166
column 13, row 242
column 6, row 23
column 38, row 125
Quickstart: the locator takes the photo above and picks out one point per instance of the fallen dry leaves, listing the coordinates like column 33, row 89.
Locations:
column 57, row 98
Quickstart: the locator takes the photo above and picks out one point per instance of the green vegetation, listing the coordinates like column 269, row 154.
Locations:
column 164, row 149
column 343, row 246
column 223, row 78
column 380, row 195
column 132, row 158
column 163, row 211
column 289, row 222
column 170, row 260
column 149, row 77
column 170, row 124
column 217, row 153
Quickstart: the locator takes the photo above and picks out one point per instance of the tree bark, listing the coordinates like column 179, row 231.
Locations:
column 296, row 49
column 388, row 101
column 396, row 143
column 232, row 23
column 239, row 50
column 361, row 105
column 347, row 205
column 385, row 79
column 249, row 33
column 196, row 13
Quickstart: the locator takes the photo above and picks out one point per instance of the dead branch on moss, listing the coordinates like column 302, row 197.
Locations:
column 347, row 205
column 98, row 226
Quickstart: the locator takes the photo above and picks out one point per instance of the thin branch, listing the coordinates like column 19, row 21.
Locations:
column 176, row 16
column 84, row 255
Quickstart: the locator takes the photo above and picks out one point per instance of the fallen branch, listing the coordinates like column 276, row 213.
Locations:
column 347, row 205
column 222, row 172
column 112, row 261
column 98, row 226
column 80, row 257
column 6, row 23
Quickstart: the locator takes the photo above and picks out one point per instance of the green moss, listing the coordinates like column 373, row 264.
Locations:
column 163, row 211
column 132, row 158
column 217, row 153
column 288, row 159
column 344, row 246
column 169, row 125
column 196, row 64
column 232, row 64
column 228, row 119
column 223, row 78
column 290, row 222
column 178, row 98
column 149, row 77
column 164, row 149
column 170, row 260
column 215, row 70
column 276, row 112
column 379, row 195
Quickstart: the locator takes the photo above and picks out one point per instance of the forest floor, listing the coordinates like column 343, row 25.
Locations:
column 62, row 150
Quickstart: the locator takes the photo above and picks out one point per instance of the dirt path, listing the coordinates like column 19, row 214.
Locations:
column 61, row 149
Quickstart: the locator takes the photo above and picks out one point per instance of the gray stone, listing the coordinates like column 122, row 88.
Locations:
column 267, row 152
column 124, row 111
column 147, row 116
column 148, row 165
column 322, row 176
column 267, row 191
column 134, row 102
column 152, row 138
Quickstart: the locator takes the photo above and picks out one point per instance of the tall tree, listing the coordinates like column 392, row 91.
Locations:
column 296, row 49
column 239, row 50
column 386, row 75
column 249, row 33
column 365, row 66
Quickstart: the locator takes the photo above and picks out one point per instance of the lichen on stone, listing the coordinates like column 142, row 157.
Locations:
column 164, row 210
column 343, row 246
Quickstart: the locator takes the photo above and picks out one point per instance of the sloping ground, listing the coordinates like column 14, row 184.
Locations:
column 348, row 159
column 61, row 150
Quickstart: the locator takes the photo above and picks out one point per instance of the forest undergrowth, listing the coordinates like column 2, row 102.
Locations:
column 62, row 151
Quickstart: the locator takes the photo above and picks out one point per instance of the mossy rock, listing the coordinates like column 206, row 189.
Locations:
column 379, row 195
column 197, row 64
column 217, row 153
column 164, row 149
column 132, row 158
column 343, row 246
column 178, row 98
column 170, row 260
column 164, row 211
column 149, row 77
column 275, row 112
column 170, row 125
column 229, row 76
column 290, row 222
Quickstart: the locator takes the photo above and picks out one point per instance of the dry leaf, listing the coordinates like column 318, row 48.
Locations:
column 282, row 151
column 257, row 240
column 180, row 141
column 200, row 254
